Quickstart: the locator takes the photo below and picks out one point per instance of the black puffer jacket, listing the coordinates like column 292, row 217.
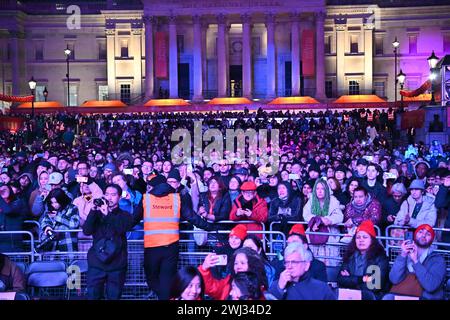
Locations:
column 222, row 206
column 289, row 209
column 114, row 225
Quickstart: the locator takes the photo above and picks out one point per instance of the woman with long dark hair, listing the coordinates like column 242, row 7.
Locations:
column 365, row 266
column 61, row 214
column 188, row 284
column 243, row 259
column 245, row 286
column 253, row 242
column 215, row 204
column 336, row 191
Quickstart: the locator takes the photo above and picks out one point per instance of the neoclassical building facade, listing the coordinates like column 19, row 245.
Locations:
column 200, row 49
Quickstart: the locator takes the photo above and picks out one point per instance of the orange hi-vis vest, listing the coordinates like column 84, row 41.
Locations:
column 346, row 117
column 391, row 115
column 370, row 117
column 161, row 220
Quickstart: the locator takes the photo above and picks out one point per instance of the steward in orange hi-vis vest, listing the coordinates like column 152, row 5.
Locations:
column 391, row 115
column 162, row 209
column 161, row 219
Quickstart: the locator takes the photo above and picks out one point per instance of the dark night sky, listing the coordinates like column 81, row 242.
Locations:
column 381, row 3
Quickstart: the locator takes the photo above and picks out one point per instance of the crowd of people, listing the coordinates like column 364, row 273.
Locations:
column 340, row 174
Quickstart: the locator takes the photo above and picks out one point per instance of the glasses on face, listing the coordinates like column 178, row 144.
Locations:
column 292, row 262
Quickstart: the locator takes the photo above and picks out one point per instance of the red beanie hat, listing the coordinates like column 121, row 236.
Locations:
column 239, row 231
column 367, row 226
column 426, row 227
column 248, row 186
column 298, row 228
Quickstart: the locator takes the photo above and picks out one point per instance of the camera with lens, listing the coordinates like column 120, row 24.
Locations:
column 99, row 202
column 51, row 237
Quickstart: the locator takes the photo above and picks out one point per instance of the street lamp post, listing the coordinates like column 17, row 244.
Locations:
column 32, row 85
column 401, row 80
column 432, row 62
column 45, row 92
column 395, row 44
column 67, row 53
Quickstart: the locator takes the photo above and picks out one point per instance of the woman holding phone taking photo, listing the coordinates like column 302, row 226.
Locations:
column 244, row 259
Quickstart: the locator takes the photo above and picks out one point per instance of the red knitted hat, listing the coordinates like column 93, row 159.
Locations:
column 367, row 226
column 426, row 227
column 297, row 228
column 239, row 231
column 248, row 186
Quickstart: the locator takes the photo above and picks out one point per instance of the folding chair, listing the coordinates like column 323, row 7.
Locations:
column 47, row 275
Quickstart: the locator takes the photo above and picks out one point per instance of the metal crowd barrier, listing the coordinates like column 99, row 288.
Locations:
column 136, row 286
column 377, row 229
column 21, row 256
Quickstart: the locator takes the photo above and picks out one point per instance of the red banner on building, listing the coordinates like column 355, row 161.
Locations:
column 308, row 53
column 413, row 119
column 161, row 55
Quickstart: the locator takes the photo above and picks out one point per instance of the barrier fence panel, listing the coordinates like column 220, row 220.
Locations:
column 26, row 252
column 191, row 254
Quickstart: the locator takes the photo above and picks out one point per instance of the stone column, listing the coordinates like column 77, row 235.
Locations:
column 246, row 56
column 320, row 55
column 136, row 51
column 341, row 26
column 15, row 63
column 204, row 27
column 173, row 58
column 221, row 56
column 198, row 81
column 295, row 54
column 149, row 70
column 111, row 58
column 368, row 57
column 271, row 60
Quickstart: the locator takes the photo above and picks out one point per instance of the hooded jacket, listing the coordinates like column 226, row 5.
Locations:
column 186, row 211
column 12, row 216
column 289, row 209
column 427, row 213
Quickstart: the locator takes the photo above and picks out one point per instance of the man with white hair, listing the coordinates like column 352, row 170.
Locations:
column 295, row 282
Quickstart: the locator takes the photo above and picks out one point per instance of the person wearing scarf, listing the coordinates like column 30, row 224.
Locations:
column 362, row 207
column 325, row 206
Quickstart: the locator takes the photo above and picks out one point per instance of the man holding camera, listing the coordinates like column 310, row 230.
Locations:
column 108, row 256
column 417, row 270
